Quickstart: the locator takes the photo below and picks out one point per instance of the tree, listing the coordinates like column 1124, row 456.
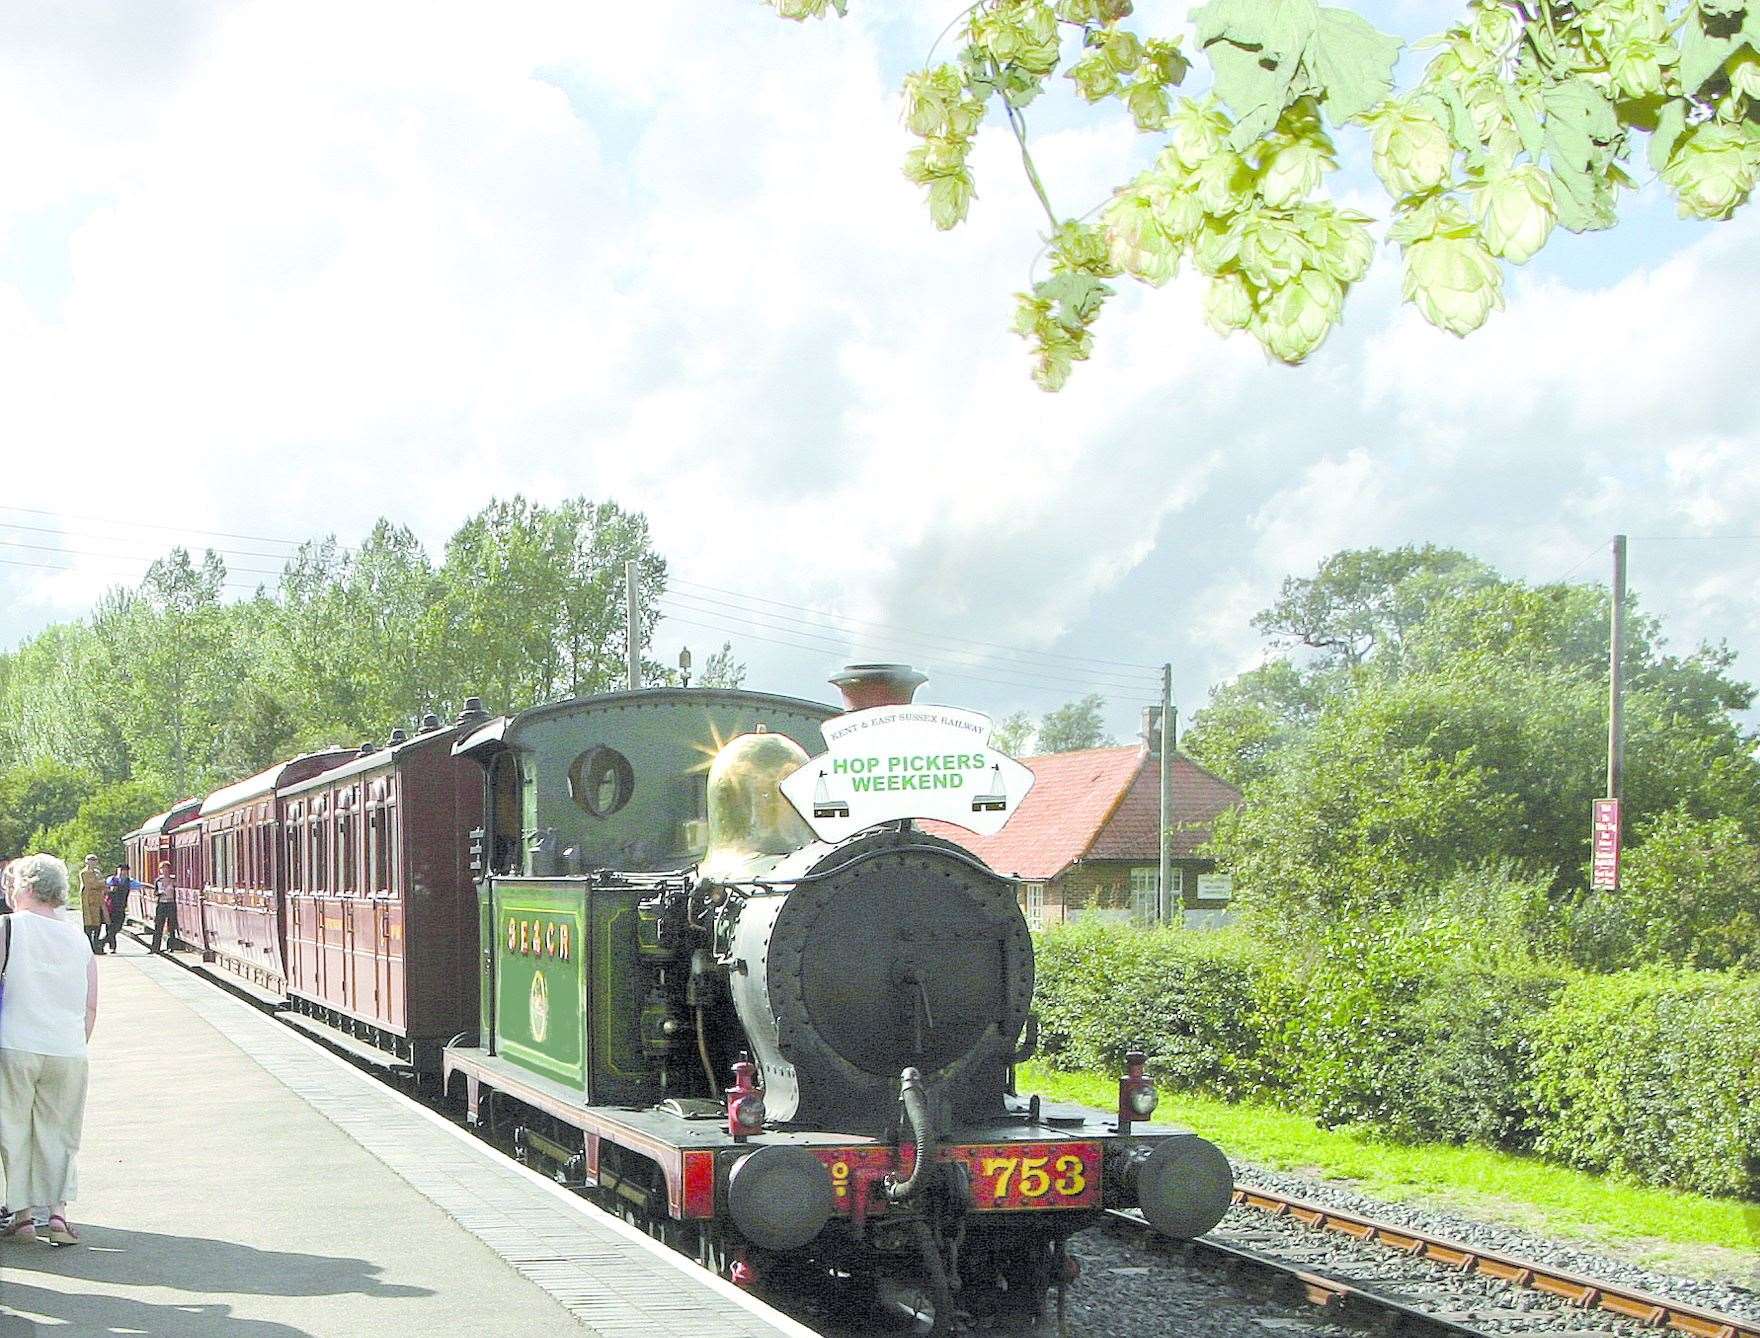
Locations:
column 1074, row 725
column 1526, row 118
column 37, row 796
column 1469, row 727
column 107, row 815
column 1362, row 599
column 1013, row 734
column 723, row 671
column 533, row 598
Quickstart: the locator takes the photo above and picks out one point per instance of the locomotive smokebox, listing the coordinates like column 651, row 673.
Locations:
column 866, row 685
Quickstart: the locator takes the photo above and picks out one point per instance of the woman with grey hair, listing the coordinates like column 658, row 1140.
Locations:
column 47, row 1010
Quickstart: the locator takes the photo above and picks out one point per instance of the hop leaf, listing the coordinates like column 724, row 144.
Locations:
column 1299, row 315
column 1713, row 169
column 1412, row 151
column 1516, row 213
column 1454, row 282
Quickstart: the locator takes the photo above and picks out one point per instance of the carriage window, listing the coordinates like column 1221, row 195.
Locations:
column 344, row 853
column 601, row 781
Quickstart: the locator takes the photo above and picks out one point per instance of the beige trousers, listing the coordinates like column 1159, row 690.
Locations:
column 42, row 1106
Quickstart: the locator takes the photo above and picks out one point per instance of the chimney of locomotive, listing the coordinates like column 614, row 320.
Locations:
column 865, row 685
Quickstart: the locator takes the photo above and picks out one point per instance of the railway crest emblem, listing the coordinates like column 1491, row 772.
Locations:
column 539, row 1008
column 910, row 761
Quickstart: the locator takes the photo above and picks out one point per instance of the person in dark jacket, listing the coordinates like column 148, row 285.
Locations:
column 117, row 886
column 164, row 908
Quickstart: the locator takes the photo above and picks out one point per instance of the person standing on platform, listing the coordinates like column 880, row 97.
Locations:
column 46, row 1020
column 119, row 885
column 91, row 900
column 164, row 907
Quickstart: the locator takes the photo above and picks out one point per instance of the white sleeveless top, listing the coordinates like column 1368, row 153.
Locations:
column 43, row 999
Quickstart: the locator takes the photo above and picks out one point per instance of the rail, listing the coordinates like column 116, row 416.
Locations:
column 1582, row 1292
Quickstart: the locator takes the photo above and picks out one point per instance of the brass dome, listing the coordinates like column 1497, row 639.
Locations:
column 748, row 817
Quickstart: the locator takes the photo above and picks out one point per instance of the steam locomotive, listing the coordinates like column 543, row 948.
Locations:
column 775, row 1052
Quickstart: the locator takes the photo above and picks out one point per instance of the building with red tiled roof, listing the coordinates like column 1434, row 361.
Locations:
column 1084, row 841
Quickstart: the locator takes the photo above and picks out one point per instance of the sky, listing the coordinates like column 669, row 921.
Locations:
column 272, row 270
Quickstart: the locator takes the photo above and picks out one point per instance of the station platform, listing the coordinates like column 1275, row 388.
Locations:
column 238, row 1179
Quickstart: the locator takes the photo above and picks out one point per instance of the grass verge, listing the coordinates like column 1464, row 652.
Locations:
column 1478, row 1182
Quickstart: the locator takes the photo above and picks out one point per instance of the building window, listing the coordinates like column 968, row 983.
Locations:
column 1034, row 894
column 1145, row 908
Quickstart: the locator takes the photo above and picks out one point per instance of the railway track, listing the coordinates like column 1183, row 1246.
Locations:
column 1405, row 1280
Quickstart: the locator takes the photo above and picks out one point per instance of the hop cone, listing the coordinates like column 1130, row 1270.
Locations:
column 1516, row 212
column 1300, row 315
column 1412, row 151
column 1713, row 169
column 1454, row 281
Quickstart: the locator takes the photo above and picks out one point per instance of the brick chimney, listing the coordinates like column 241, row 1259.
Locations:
column 1150, row 739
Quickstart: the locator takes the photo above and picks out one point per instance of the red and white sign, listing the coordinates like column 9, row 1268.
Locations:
column 1604, row 849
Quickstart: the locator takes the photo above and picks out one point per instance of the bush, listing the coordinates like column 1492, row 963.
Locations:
column 1423, row 1030
column 1655, row 1075
column 1189, row 1000
column 1690, row 895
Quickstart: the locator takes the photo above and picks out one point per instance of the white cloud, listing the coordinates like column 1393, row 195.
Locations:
column 314, row 281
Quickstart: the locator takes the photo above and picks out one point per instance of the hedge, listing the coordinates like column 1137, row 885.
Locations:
column 1653, row 1075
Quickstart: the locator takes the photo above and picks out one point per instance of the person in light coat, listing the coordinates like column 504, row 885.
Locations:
column 91, row 900
column 47, row 1011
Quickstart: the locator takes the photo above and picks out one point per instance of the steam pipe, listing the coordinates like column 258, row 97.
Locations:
column 916, row 1113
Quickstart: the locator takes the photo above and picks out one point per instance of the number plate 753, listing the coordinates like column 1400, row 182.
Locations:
column 1013, row 1176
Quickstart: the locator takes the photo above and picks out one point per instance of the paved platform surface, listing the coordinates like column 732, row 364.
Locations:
column 237, row 1179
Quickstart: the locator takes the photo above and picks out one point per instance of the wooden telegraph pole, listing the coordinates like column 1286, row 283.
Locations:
column 633, row 625
column 1605, row 829
column 1162, row 892
column 1616, row 654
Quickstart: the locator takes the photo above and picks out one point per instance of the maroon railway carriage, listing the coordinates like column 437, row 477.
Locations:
column 189, row 869
column 380, row 908
column 245, row 868
column 147, row 847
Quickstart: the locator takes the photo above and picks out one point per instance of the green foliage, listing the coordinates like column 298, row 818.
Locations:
column 36, row 796
column 1523, row 120
column 1074, row 725
column 106, row 816
column 1654, row 1075
column 171, row 684
column 1013, row 734
column 1430, row 1030
column 1188, row 1001
column 1690, row 893
column 1445, row 718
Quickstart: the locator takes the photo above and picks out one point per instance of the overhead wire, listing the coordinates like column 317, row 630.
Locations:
column 1146, row 669
column 1061, row 673
column 149, row 525
column 110, row 538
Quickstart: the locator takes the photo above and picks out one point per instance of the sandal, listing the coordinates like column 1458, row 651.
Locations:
column 20, row 1227
column 61, row 1234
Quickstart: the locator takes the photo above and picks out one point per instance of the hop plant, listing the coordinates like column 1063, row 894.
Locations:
column 1145, row 231
column 1018, row 32
column 1272, row 249
column 1744, row 76
column 1299, row 315
column 1453, row 280
column 1195, row 132
column 1412, row 152
column 1516, row 213
column 1228, row 303
column 1636, row 65
column 1291, row 170
column 1713, row 169
column 1340, row 240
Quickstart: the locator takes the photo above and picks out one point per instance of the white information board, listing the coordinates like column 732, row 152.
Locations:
column 913, row 761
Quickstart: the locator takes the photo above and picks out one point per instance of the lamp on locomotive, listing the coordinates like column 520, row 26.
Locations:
column 749, row 819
